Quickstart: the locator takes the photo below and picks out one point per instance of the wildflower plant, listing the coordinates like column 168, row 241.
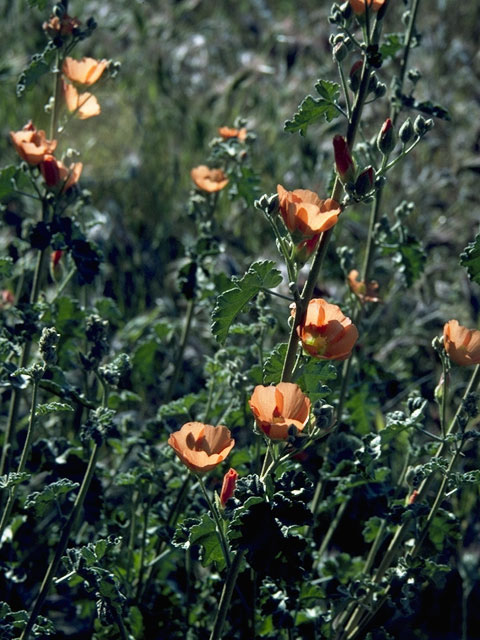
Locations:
column 240, row 458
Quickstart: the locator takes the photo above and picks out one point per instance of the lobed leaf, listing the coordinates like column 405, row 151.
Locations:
column 312, row 109
column 470, row 259
column 51, row 407
column 261, row 275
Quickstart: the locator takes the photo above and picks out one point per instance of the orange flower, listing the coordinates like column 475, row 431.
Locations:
column 358, row 6
column 210, row 180
column 32, row 145
column 85, row 71
column 64, row 26
column 6, row 298
column 55, row 172
column 304, row 213
column 461, row 344
column 230, row 132
column 276, row 408
column 84, row 105
column 201, row 447
column 364, row 292
column 325, row 332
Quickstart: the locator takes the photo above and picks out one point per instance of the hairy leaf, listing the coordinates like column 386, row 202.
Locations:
column 41, row 500
column 393, row 43
column 260, row 275
column 312, row 109
column 51, row 407
column 201, row 532
column 470, row 259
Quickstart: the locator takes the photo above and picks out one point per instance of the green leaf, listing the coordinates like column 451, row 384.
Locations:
column 6, row 266
column 41, row 500
column 470, row 259
column 262, row 274
column 312, row 109
column 51, row 407
column 7, row 181
column 312, row 377
column 40, row 4
column 393, row 43
column 180, row 407
column 371, row 528
column 12, row 479
column 272, row 369
column 203, row 533
column 40, row 64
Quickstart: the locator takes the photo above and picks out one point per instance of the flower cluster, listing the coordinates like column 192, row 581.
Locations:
column 84, row 72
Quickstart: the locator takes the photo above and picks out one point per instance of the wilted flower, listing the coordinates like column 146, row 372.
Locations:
column 85, row 71
column 325, row 332
column 32, row 145
column 56, row 173
column 84, row 105
column 364, row 292
column 231, row 132
column 277, row 408
column 61, row 26
column 358, row 6
column 461, row 344
column 201, row 447
column 305, row 214
column 228, row 486
column 210, row 180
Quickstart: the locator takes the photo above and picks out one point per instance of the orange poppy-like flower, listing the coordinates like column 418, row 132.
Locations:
column 231, row 132
column 461, row 344
column 55, row 172
column 32, row 145
column 277, row 408
column 85, row 71
column 84, row 105
column 210, row 180
column 365, row 292
column 358, row 6
column 304, row 213
column 325, row 332
column 201, row 447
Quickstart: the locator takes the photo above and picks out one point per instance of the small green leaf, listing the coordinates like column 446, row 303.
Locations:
column 312, row 109
column 470, row 259
column 51, row 407
column 260, row 275
column 41, row 500
column 40, row 64
column 7, row 181
column 6, row 266
column 393, row 43
column 203, row 533
column 371, row 528
column 12, row 479
column 272, row 369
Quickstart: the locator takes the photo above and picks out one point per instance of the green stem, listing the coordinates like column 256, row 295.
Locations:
column 56, row 96
column 181, row 349
column 63, row 542
column 218, row 522
column 331, row 529
column 143, row 546
column 23, row 459
column 226, row 596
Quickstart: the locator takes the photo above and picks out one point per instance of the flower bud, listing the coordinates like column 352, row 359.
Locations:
column 305, row 249
column 355, row 75
column 365, row 182
column 386, row 139
column 343, row 160
column 380, row 90
column 406, row 131
column 47, row 345
column 340, row 52
column 49, row 170
column 228, row 486
column 420, row 126
column 56, row 268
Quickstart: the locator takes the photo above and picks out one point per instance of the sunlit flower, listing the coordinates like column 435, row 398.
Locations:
column 32, row 145
column 364, row 292
column 84, row 105
column 231, row 132
column 304, row 213
column 201, row 447
column 325, row 332
column 61, row 26
column 277, row 408
column 85, row 71
column 210, row 180
column 461, row 344
column 57, row 174
column 228, row 486
column 358, row 6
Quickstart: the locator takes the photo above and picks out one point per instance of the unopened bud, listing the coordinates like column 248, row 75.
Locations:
column 48, row 345
column 305, row 249
column 340, row 52
column 420, row 126
column 386, row 139
column 228, row 486
column 365, row 182
column 49, row 170
column 343, row 160
column 406, row 131
column 355, row 75
column 380, row 90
